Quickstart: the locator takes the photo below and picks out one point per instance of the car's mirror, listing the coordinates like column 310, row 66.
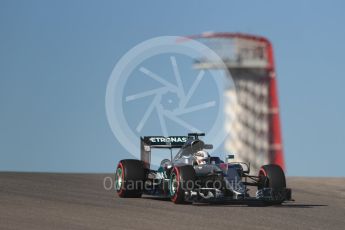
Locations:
column 208, row 146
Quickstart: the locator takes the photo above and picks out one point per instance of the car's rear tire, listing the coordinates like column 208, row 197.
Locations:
column 130, row 178
column 182, row 179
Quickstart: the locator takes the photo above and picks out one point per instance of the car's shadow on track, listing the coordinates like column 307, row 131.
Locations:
column 300, row 205
column 236, row 204
column 242, row 204
column 156, row 198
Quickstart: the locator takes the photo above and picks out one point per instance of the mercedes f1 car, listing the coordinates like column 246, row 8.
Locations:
column 195, row 176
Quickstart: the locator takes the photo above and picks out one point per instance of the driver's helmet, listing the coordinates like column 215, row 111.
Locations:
column 201, row 157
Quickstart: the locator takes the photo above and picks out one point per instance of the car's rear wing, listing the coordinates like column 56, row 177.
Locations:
column 148, row 142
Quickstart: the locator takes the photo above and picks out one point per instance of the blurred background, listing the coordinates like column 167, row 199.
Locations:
column 56, row 58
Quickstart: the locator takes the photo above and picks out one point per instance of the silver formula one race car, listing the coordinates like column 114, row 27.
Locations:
column 195, row 176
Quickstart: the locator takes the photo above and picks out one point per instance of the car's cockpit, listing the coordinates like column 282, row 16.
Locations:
column 189, row 148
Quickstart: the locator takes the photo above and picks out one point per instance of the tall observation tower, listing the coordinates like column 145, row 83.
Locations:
column 253, row 124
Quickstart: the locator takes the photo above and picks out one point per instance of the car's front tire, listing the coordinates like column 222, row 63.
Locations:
column 272, row 176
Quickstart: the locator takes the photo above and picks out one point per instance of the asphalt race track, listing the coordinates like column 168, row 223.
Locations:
column 79, row 201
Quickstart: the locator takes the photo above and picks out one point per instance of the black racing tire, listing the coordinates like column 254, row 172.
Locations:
column 271, row 176
column 181, row 179
column 130, row 178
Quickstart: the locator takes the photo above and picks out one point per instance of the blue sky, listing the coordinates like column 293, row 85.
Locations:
column 56, row 58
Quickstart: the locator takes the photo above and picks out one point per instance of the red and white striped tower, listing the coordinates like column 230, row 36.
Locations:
column 253, row 123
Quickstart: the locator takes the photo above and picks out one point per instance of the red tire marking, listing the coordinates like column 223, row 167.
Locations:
column 122, row 191
column 263, row 172
column 174, row 198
